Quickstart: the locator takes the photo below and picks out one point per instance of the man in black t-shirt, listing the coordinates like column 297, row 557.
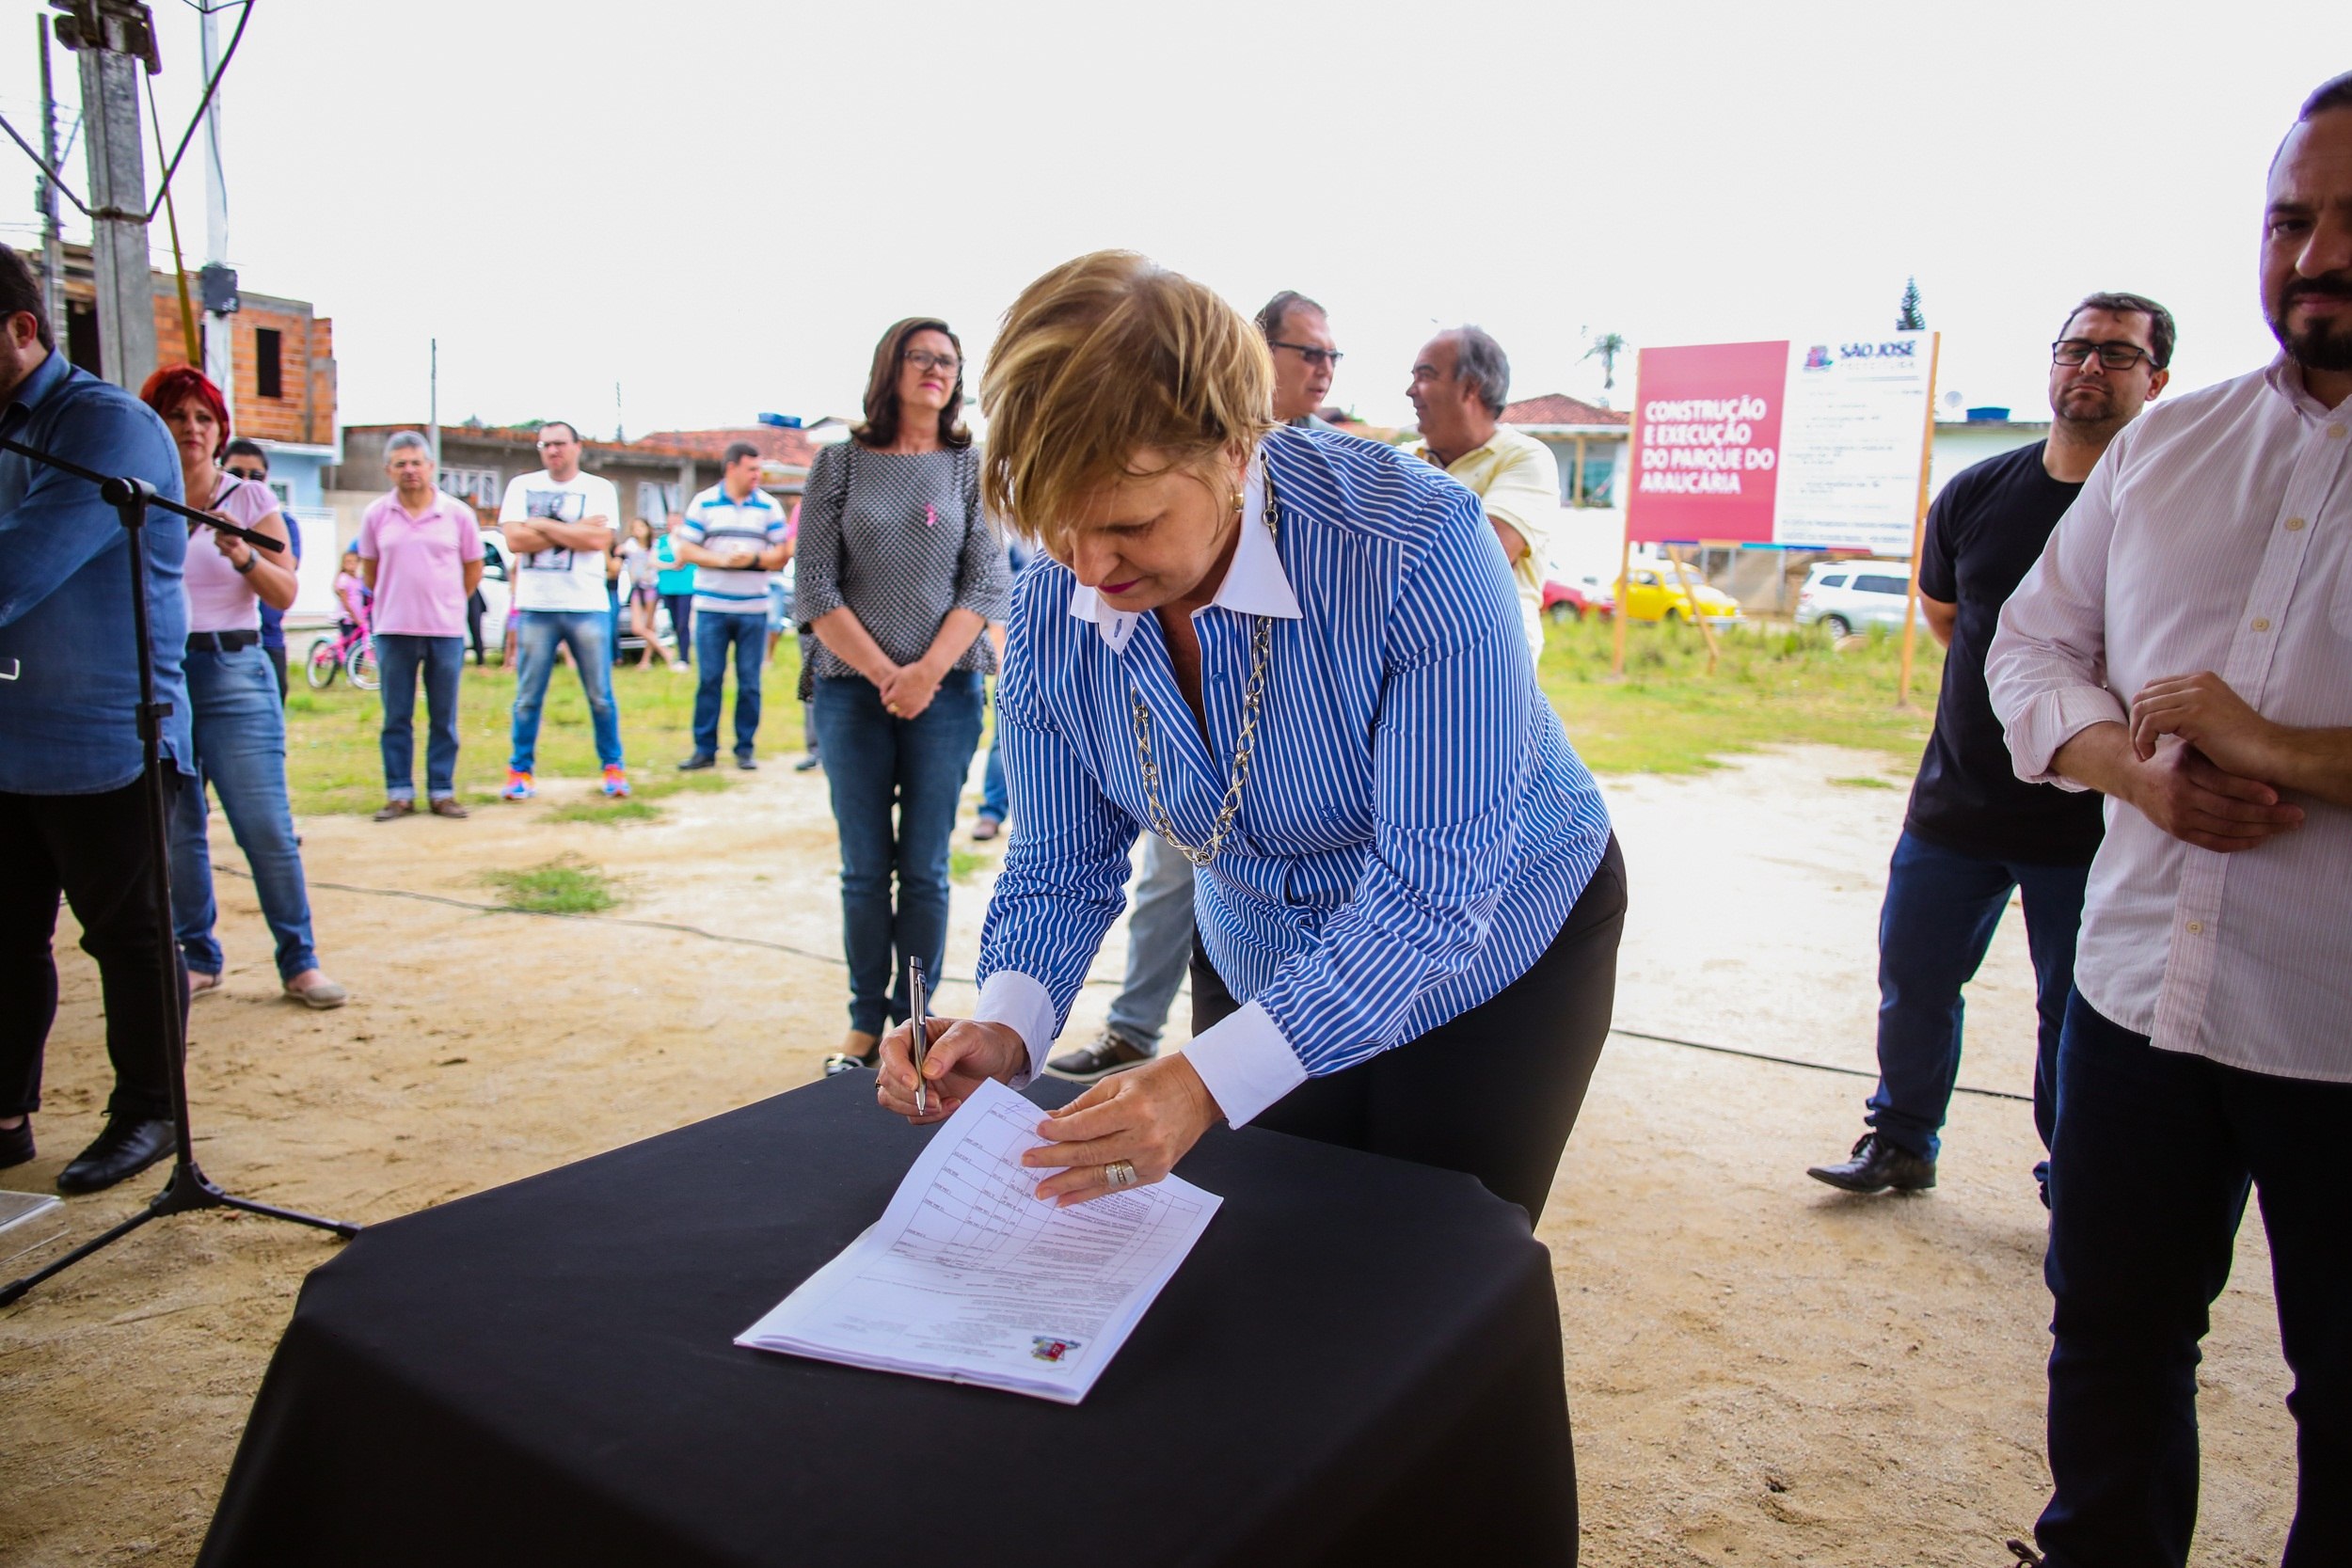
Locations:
column 1975, row 832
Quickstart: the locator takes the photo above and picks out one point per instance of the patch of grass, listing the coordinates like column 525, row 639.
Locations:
column 334, row 762
column 563, row 886
column 963, row 864
column 1864, row 781
column 609, row 813
column 1772, row 685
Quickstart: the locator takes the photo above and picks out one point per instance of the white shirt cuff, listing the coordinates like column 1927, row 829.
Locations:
column 2050, row 720
column 1246, row 1063
column 1010, row 997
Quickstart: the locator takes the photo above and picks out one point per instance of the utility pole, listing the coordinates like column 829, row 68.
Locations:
column 433, row 410
column 219, row 361
column 114, row 40
column 52, row 245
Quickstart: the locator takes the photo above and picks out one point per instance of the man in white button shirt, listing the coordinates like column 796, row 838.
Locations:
column 2185, row 647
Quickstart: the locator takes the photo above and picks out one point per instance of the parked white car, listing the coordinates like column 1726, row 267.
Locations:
column 1848, row 596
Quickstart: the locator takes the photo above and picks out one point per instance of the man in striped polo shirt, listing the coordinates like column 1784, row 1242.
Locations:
column 733, row 533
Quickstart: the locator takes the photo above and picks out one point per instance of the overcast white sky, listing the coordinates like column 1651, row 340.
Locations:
column 719, row 204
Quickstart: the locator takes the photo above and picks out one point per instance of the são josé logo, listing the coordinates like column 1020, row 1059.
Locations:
column 1045, row 1348
column 1818, row 356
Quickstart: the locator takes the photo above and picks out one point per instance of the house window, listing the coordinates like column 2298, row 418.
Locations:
column 479, row 485
column 656, row 501
column 268, row 377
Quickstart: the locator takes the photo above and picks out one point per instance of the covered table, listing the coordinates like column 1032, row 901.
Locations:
column 1359, row 1363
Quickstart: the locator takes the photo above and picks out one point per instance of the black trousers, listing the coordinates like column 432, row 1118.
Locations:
column 277, row 662
column 92, row 848
column 1493, row 1092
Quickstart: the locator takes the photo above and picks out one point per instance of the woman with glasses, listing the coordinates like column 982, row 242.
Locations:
column 1296, row 656
column 898, row 575
column 238, row 723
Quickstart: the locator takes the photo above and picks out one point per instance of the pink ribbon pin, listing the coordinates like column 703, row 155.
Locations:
column 930, row 515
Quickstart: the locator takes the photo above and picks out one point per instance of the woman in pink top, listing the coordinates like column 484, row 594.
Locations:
column 239, row 726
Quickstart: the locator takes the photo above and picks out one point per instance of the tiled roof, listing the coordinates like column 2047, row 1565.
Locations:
column 1557, row 408
column 791, row 448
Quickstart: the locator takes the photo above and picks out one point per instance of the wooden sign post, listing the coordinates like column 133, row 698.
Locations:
column 1919, row 527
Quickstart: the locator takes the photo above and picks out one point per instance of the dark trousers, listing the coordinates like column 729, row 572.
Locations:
column 1941, row 909
column 2149, row 1174
column 895, row 782
column 1494, row 1092
column 714, row 634
column 277, row 651
column 681, row 608
column 441, row 660
column 475, row 609
column 94, row 850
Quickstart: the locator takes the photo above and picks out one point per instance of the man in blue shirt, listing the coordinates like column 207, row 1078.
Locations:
column 247, row 460
column 69, row 752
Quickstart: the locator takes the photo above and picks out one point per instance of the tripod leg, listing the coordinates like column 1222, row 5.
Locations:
column 14, row 1288
column 341, row 1227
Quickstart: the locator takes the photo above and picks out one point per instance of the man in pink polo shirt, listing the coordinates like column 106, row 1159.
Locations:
column 420, row 551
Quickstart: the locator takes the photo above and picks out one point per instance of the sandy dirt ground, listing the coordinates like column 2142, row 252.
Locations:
column 1762, row 1371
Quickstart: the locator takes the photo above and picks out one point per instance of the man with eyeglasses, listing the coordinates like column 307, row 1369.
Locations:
column 1306, row 356
column 247, row 461
column 1975, row 834
column 1159, row 922
column 559, row 524
column 2181, row 648
column 1461, row 380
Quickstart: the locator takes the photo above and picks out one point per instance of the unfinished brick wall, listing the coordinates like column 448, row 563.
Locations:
column 304, row 410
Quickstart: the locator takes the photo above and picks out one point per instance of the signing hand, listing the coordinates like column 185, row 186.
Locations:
column 909, row 692
column 1149, row 1116
column 963, row 1054
column 2203, row 711
column 2180, row 790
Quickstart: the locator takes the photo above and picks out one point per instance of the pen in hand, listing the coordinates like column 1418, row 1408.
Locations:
column 919, row 1032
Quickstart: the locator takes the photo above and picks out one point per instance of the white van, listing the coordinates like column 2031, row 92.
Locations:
column 1848, row 596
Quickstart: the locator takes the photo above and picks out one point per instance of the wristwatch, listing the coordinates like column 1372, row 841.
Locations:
column 252, row 559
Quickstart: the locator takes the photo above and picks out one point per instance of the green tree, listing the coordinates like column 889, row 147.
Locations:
column 1913, row 319
column 1606, row 347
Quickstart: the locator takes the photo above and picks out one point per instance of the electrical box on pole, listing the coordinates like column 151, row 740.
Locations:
column 115, row 39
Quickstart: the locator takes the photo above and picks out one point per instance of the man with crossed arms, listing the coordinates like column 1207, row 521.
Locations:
column 2204, row 577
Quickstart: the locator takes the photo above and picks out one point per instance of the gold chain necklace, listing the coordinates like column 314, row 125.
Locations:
column 1253, row 693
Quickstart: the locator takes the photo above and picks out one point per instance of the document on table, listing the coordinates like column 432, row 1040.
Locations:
column 968, row 1277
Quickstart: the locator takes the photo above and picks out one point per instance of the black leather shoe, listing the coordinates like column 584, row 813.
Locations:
column 808, row 763
column 1877, row 1165
column 747, row 762
column 16, row 1143
column 126, row 1148
column 696, row 763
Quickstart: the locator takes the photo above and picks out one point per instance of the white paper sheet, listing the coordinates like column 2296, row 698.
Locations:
column 968, row 1277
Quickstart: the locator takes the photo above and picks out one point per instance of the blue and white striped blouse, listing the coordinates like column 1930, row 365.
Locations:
column 1415, row 826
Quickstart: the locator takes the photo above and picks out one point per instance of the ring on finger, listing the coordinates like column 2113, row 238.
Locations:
column 1119, row 1173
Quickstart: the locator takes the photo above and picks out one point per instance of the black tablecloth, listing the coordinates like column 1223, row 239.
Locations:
column 1359, row 1363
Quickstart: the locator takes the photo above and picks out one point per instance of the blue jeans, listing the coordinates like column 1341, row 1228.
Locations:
column 442, row 660
column 872, row 762
column 583, row 631
column 996, row 801
column 1933, row 929
column 1159, row 944
column 2149, row 1174
column 715, row 631
column 239, row 733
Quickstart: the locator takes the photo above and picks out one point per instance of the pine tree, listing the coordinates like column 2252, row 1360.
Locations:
column 1913, row 319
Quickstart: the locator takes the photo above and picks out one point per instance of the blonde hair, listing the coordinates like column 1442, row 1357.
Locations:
column 1102, row 356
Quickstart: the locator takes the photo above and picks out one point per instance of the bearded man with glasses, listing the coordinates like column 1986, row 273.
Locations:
column 1976, row 834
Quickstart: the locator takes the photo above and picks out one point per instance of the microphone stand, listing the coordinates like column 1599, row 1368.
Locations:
column 188, row 1188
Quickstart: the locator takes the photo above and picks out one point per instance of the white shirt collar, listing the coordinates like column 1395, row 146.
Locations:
column 1255, row 583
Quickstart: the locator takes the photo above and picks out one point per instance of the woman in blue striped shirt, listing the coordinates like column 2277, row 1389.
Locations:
column 1297, row 657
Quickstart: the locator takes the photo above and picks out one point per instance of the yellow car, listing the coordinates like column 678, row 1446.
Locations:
column 1655, row 595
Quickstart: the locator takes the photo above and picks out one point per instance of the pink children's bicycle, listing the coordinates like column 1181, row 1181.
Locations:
column 353, row 646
